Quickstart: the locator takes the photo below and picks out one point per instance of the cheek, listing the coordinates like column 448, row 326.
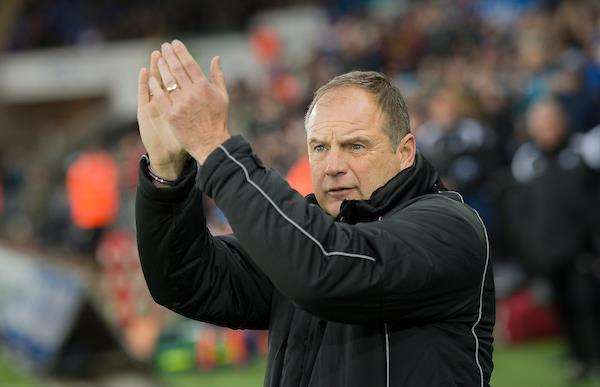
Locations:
column 362, row 175
column 368, row 175
column 317, row 176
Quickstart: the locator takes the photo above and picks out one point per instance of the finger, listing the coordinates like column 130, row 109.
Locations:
column 192, row 67
column 165, row 73
column 154, row 66
column 216, row 74
column 163, row 102
column 175, row 66
column 143, row 91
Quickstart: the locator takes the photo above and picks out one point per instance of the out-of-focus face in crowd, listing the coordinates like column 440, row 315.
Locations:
column 444, row 108
column 350, row 154
column 546, row 124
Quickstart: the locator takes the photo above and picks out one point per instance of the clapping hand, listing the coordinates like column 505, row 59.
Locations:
column 167, row 156
column 192, row 107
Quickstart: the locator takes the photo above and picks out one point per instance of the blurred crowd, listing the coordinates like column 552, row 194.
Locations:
column 54, row 23
column 504, row 99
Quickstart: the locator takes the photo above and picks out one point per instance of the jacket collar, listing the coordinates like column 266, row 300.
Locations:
column 419, row 179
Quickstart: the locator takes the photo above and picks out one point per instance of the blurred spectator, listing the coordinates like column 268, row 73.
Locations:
column 93, row 193
column 551, row 226
column 461, row 149
column 50, row 23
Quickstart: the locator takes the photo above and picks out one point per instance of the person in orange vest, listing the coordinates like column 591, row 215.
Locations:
column 93, row 193
column 298, row 176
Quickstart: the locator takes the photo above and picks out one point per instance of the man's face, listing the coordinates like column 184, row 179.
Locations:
column 546, row 125
column 350, row 155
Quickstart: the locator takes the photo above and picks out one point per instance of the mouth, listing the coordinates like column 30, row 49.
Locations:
column 340, row 193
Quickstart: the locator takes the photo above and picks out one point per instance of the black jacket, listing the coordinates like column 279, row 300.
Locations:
column 396, row 291
column 550, row 214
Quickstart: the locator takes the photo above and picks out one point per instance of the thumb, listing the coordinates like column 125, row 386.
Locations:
column 143, row 91
column 216, row 74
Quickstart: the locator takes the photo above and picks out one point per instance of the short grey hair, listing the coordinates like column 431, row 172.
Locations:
column 388, row 97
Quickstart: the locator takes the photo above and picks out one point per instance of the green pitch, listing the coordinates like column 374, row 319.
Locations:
column 532, row 365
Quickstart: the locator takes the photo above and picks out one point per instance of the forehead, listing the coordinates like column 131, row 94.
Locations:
column 544, row 111
column 345, row 110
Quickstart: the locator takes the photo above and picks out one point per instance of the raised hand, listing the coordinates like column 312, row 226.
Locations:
column 194, row 107
column 167, row 156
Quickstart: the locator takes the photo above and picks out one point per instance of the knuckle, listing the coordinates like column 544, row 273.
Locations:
column 176, row 66
column 177, row 110
column 155, row 92
column 192, row 98
column 169, row 116
column 188, row 63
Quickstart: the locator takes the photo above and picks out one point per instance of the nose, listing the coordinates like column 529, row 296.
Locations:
column 335, row 164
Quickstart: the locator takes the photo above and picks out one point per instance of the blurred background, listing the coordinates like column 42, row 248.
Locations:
column 504, row 99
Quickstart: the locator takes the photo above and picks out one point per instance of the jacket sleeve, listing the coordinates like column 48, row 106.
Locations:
column 426, row 264
column 189, row 271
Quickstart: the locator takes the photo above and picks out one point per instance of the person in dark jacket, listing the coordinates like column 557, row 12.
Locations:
column 379, row 278
column 552, row 217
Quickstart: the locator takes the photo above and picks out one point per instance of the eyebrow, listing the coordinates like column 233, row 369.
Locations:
column 356, row 138
column 349, row 139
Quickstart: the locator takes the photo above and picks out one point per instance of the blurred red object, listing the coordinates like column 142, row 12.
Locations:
column 92, row 186
column 266, row 44
column 206, row 349
column 286, row 88
column 236, row 346
column 298, row 176
column 520, row 319
column 128, row 301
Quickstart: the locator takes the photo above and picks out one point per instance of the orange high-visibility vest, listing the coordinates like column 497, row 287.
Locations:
column 298, row 176
column 93, row 190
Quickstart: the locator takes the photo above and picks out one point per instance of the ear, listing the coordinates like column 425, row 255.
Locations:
column 406, row 151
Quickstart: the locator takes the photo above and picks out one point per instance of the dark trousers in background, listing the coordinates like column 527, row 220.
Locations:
column 577, row 290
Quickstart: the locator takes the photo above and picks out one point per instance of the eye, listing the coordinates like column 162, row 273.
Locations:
column 357, row 147
column 319, row 148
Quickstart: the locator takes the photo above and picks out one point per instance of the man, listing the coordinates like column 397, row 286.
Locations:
column 461, row 149
column 552, row 221
column 378, row 279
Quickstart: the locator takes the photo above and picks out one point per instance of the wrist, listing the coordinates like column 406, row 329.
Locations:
column 162, row 182
column 168, row 170
column 202, row 153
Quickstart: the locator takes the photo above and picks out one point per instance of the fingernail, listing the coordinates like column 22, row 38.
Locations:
column 178, row 42
column 161, row 61
column 165, row 45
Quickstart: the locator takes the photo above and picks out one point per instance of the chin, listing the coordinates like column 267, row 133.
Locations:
column 333, row 209
column 330, row 207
